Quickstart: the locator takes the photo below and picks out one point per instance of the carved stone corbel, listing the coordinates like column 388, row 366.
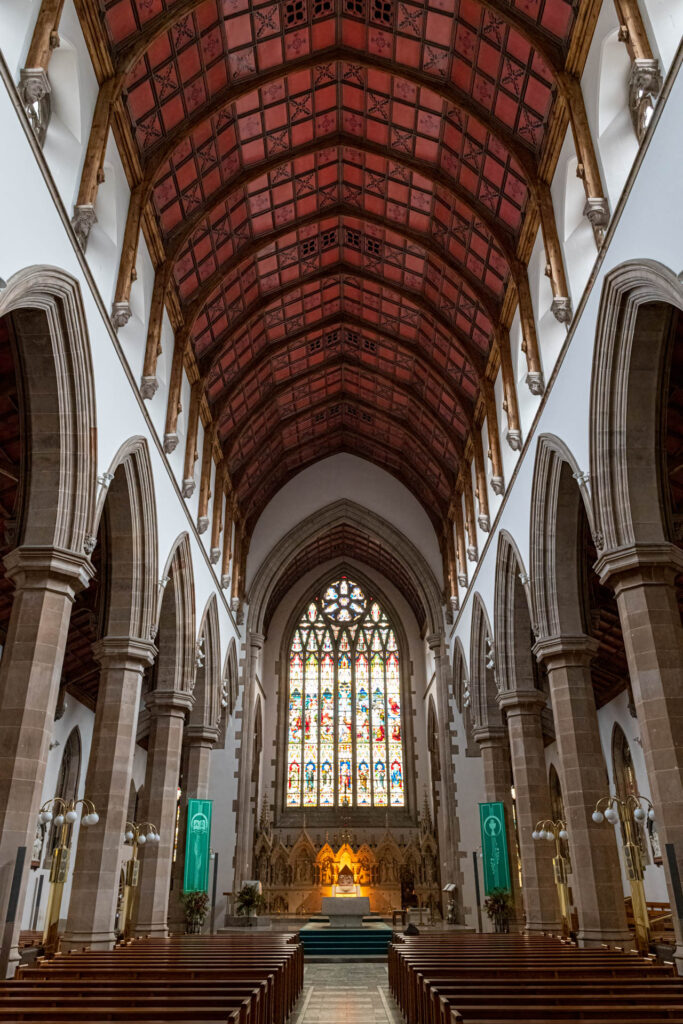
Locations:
column 561, row 308
column 535, row 383
column 120, row 314
column 188, row 488
column 170, row 443
column 82, row 222
column 644, row 86
column 497, row 485
column 34, row 90
column 514, row 439
column 149, row 387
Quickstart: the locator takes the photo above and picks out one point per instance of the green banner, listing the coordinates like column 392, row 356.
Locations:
column 197, row 846
column 494, row 847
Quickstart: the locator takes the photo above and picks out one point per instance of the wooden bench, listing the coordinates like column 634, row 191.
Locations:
column 449, row 979
column 193, row 979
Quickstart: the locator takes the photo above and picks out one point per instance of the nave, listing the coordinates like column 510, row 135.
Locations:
column 438, row 978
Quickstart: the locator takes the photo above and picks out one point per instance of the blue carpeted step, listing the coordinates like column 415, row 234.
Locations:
column 345, row 941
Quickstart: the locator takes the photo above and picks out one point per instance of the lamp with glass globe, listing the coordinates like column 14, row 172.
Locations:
column 630, row 812
column 556, row 831
column 137, row 834
column 65, row 817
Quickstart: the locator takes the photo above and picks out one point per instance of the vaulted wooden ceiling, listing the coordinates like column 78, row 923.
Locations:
column 345, row 193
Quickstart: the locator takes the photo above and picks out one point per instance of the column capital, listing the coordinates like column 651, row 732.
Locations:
column 172, row 703
column 124, row 652
column 257, row 640
column 557, row 651
column 37, row 567
column 201, row 735
column 492, row 735
column 639, row 564
column 527, row 701
column 434, row 642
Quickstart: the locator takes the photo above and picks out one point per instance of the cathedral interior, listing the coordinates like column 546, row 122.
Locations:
column 341, row 510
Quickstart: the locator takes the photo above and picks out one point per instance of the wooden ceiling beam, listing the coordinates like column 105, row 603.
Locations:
column 344, row 320
column 341, row 396
column 231, row 439
column 434, row 512
column 462, row 342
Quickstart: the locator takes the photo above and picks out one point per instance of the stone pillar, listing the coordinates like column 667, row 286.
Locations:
column 532, row 799
column 495, row 759
column 198, row 743
column 447, row 821
column 643, row 580
column 167, row 710
column 95, row 886
column 45, row 583
column 595, row 881
column 246, row 809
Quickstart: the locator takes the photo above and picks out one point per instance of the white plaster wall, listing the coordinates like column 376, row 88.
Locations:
column 223, row 792
column 343, row 476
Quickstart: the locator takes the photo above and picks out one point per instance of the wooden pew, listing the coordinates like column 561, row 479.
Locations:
column 236, row 979
column 449, row 979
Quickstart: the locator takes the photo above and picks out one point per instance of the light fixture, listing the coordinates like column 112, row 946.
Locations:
column 631, row 812
column 62, row 821
column 555, row 831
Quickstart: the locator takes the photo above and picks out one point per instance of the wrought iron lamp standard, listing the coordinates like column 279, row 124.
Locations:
column 557, row 831
column 631, row 812
column 64, row 818
column 137, row 834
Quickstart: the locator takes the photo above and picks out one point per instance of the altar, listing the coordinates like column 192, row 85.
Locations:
column 346, row 911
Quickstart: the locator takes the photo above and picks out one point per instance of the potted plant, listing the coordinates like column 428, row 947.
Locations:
column 499, row 909
column 248, row 901
column 196, row 906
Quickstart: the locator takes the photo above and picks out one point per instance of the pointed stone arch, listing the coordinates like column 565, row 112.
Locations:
column 634, row 330
column 559, row 487
column 207, row 690
column 128, row 505
column 485, row 710
column 176, row 621
column 53, row 345
column 230, row 678
column 514, row 629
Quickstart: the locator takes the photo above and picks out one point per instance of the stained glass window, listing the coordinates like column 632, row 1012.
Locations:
column 344, row 740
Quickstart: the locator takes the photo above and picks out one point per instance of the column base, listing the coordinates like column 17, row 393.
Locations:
column 538, row 927
column 678, row 959
column 94, row 940
column 590, row 937
column 156, row 931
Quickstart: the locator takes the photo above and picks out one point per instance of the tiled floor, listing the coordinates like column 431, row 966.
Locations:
column 351, row 993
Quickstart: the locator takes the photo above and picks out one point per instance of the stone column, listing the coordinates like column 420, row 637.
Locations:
column 643, row 580
column 167, row 710
column 595, row 881
column 495, row 759
column 532, row 799
column 95, row 886
column 45, row 583
column 245, row 825
column 198, row 743
column 448, row 824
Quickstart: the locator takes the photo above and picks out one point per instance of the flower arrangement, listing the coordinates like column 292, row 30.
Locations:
column 196, row 906
column 248, row 901
column 499, row 908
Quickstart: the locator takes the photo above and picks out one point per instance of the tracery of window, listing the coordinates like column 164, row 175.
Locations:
column 344, row 739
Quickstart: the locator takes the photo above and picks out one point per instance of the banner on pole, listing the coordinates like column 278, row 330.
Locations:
column 197, row 846
column 494, row 849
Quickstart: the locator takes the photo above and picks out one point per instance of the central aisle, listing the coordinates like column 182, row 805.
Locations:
column 353, row 993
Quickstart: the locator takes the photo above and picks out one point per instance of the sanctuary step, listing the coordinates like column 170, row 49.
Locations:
column 356, row 942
